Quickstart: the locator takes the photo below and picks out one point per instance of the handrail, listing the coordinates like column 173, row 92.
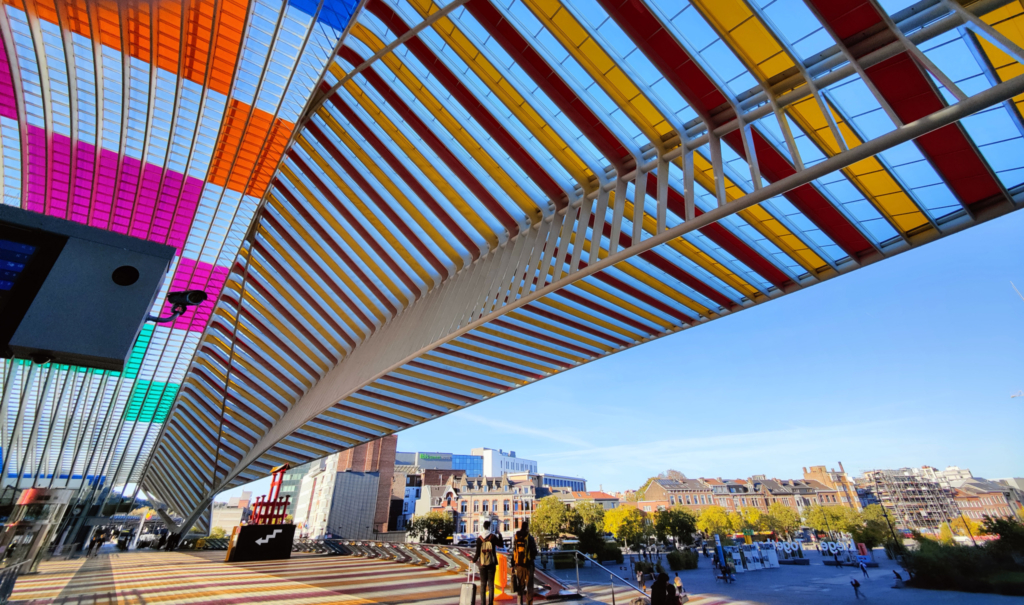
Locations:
column 624, row 581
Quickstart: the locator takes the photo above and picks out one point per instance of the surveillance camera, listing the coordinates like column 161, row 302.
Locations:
column 188, row 298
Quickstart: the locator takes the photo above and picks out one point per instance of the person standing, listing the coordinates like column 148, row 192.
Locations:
column 486, row 558
column 679, row 584
column 524, row 555
column 659, row 589
column 640, row 580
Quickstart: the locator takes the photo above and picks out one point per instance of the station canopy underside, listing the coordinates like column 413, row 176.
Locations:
column 401, row 209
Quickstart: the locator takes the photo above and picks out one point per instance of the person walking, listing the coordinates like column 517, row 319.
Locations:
column 524, row 555
column 678, row 584
column 856, row 588
column 864, row 569
column 640, row 580
column 673, row 596
column 486, row 559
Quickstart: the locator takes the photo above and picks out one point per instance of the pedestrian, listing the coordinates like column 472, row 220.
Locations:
column 640, row 580
column 673, row 596
column 486, row 559
column 856, row 588
column 659, row 589
column 679, row 584
column 524, row 553
column 864, row 569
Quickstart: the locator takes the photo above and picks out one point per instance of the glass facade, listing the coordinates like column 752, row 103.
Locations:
column 473, row 465
column 576, row 485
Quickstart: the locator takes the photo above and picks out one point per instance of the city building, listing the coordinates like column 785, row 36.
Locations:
column 845, row 489
column 472, row 464
column 498, row 462
column 691, row 493
column 571, row 499
column 943, row 478
column 348, row 494
column 915, row 503
column 472, row 500
column 978, row 498
column 576, row 484
column 290, row 485
column 1015, row 494
column 231, row 514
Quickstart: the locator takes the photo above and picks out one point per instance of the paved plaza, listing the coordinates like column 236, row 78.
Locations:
column 202, row 577
column 790, row 585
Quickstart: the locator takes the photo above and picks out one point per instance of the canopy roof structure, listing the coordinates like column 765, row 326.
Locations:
column 423, row 206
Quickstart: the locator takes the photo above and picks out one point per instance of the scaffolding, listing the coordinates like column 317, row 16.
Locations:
column 915, row 502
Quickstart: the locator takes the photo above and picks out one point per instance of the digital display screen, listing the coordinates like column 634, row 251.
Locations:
column 14, row 256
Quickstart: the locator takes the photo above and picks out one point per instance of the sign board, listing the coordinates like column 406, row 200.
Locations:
column 260, row 543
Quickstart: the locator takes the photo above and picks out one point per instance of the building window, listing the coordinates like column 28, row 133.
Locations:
column 476, row 507
column 462, row 527
column 476, row 526
column 506, row 525
column 494, row 506
column 485, row 505
column 688, row 500
column 417, row 492
column 506, row 506
column 463, row 508
column 672, row 499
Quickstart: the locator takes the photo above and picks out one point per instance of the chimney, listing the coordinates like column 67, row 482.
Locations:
column 805, row 470
column 841, row 469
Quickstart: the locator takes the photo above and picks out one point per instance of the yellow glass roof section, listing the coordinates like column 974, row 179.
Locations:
column 380, row 407
column 418, row 159
column 588, row 318
column 742, row 30
column 506, row 91
column 317, row 205
column 332, row 414
column 244, row 393
column 506, row 182
column 394, row 190
column 414, row 396
column 868, row 175
column 473, row 369
column 647, row 279
column 325, row 331
column 1009, row 21
column 602, row 68
column 758, row 218
column 548, row 327
column 451, row 384
column 367, row 212
column 536, row 346
column 279, row 207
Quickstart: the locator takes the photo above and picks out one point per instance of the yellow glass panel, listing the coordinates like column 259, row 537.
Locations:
column 598, row 64
column 507, row 184
column 748, row 37
column 1009, row 21
column 508, row 95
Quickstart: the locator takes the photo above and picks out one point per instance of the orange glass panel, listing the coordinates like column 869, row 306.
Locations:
column 247, row 155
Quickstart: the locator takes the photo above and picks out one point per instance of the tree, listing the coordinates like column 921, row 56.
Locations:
column 966, row 527
column 627, row 524
column 590, row 514
column 591, row 541
column 713, row 520
column 639, row 494
column 434, row 527
column 782, row 519
column 218, row 532
column 548, row 519
column 737, row 523
column 672, row 475
column 946, row 535
column 676, row 522
column 831, row 518
column 753, row 517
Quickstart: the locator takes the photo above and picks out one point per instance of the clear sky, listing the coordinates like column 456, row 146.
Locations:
column 906, row 362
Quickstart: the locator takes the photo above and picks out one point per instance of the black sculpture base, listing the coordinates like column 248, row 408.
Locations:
column 260, row 543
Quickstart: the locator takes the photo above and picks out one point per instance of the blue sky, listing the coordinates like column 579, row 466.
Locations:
column 906, row 362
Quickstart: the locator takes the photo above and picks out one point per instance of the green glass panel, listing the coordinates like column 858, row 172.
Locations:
column 151, row 401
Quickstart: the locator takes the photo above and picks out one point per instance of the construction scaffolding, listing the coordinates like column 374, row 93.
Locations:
column 916, row 503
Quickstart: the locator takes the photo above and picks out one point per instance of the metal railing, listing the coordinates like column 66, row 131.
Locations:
column 8, row 575
column 576, row 557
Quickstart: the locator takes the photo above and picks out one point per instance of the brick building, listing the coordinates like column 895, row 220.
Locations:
column 571, row 499
column 846, row 490
column 472, row 500
column 977, row 498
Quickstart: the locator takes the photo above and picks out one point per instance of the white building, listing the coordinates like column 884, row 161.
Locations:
column 500, row 462
column 946, row 477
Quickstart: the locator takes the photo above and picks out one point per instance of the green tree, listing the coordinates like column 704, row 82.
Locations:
column 218, row 532
column 963, row 526
column 873, row 529
column 590, row 514
column 434, row 527
column 549, row 519
column 676, row 522
column 782, row 519
column 639, row 494
column 713, row 520
column 627, row 524
column 591, row 541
